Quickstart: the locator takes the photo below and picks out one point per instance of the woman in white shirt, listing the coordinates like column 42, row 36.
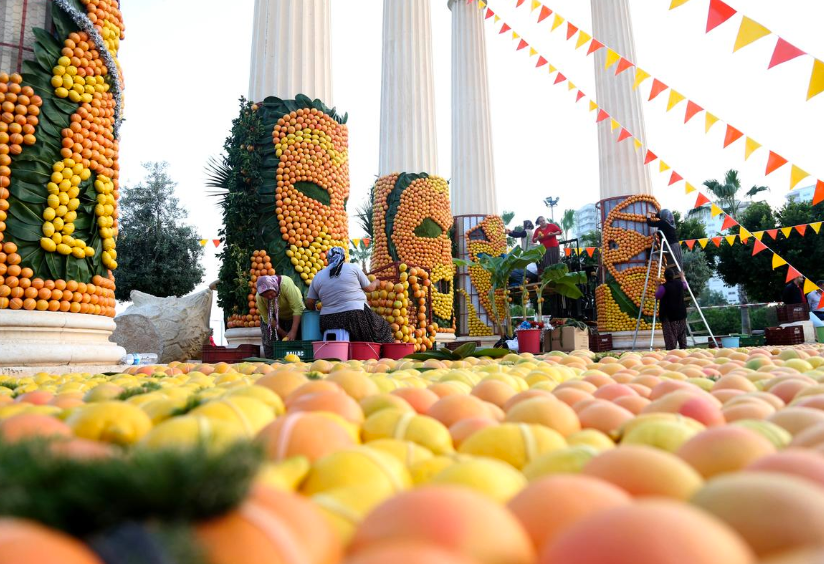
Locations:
column 340, row 288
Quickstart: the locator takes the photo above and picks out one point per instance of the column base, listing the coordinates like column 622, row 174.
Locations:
column 622, row 340
column 45, row 338
column 243, row 336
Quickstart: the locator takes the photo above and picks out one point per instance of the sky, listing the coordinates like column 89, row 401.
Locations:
column 186, row 63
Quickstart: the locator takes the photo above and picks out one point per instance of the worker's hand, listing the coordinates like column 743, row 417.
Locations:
column 292, row 336
column 281, row 333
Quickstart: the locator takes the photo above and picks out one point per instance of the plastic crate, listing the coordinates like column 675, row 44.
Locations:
column 793, row 313
column 753, row 341
column 600, row 342
column 211, row 354
column 301, row 349
column 785, row 336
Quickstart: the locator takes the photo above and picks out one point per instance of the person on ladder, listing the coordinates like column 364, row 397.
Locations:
column 664, row 221
column 670, row 295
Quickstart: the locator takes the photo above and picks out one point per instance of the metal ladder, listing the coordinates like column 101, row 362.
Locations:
column 658, row 245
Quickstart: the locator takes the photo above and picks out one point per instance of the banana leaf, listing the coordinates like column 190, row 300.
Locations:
column 625, row 304
column 465, row 350
column 46, row 41
column 491, row 353
column 55, row 265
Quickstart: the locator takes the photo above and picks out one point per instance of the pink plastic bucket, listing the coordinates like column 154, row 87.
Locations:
column 331, row 349
column 529, row 341
column 396, row 351
column 364, row 351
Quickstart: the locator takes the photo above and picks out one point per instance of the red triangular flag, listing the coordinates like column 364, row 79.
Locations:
column 520, row 2
column 657, row 88
column 792, row 274
column 759, row 246
column 579, row 96
column 732, row 136
column 729, row 222
column 692, row 110
column 690, row 243
column 366, row 242
column 590, row 251
column 650, row 157
column 623, row 65
column 716, row 241
column 719, row 13
column 784, row 52
column 489, row 13
column 571, row 30
column 772, row 233
column 504, row 28
column 701, row 200
column 545, row 13
column 541, row 62
column 624, row 135
column 602, row 115
column 560, row 78
column 568, row 251
column 818, row 197
column 675, row 178
column 802, row 229
column 594, row 46
column 216, row 242
column 522, row 45
column 774, row 163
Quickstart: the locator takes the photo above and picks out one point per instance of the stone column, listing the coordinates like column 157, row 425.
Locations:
column 408, row 141
column 291, row 50
column 473, row 168
column 622, row 169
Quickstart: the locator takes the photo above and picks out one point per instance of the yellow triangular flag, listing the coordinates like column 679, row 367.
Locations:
column 356, row 242
column 711, row 120
column 750, row 32
column 497, row 18
column 203, row 242
column 557, row 22
column 787, row 231
column 663, row 167
column 637, row 144
column 797, row 176
column 816, row 226
column 583, row 39
column 809, row 286
column 676, row 3
column 777, row 261
column 612, row 58
column 615, row 125
column 552, row 69
column 715, row 210
column 744, row 234
column 752, row 146
column 731, row 239
column 640, row 76
column 674, row 99
column 532, row 52
column 571, row 86
column 592, row 106
column 481, row 4
column 758, row 234
column 703, row 243
column 690, row 188
column 515, row 36
column 816, row 80
column 535, row 5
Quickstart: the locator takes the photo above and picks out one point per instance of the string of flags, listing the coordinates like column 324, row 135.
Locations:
column 622, row 64
column 750, row 31
column 204, row 242
column 649, row 157
column 355, row 242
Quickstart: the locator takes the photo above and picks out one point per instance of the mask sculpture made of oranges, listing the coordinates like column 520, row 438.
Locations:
column 59, row 172
column 486, row 238
column 626, row 240
column 412, row 219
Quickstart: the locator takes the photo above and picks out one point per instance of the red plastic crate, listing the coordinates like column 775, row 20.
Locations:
column 600, row 342
column 793, row 313
column 212, row 354
column 785, row 336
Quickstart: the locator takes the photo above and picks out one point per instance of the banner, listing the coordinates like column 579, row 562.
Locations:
column 733, row 134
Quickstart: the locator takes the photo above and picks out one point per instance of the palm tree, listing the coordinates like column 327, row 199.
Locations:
column 360, row 254
column 726, row 194
column 364, row 214
column 568, row 222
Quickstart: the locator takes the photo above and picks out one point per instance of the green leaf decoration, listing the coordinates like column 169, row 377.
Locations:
column 312, row 190
column 491, row 353
column 428, row 229
column 465, row 350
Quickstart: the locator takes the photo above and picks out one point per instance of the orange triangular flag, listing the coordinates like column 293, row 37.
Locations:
column 571, row 30
column 650, row 157
column 216, row 242
column 522, row 45
column 692, row 110
column 787, row 231
column 732, row 136
column 675, row 178
column 602, row 116
column 541, row 62
column 797, row 176
column 675, row 98
column 560, row 78
column 568, row 251
column 751, row 146
column 715, row 210
column 784, row 51
column 640, row 76
column 749, row 32
column 774, row 163
column 720, row 12
column 580, row 96
column 816, row 227
column 710, row 121
column 657, row 88
column 792, row 274
column 623, row 65
column 716, row 241
column 703, row 243
column 777, row 261
column 729, row 223
column 594, row 46
column 612, row 58
column 690, row 243
column 818, row 197
column 624, row 135
column 504, row 29
column 701, row 200
column 759, row 246
column 545, row 13
column 802, row 229
column 809, row 286
column 816, row 80
column 583, row 38
column 590, row 251
column 773, row 233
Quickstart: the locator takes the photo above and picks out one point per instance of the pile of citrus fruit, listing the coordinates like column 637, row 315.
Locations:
column 686, row 457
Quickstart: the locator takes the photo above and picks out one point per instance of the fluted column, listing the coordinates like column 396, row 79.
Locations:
column 473, row 168
column 291, row 50
column 408, row 142
column 622, row 169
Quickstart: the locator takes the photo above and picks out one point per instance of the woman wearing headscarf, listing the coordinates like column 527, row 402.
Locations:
column 280, row 305
column 340, row 288
column 665, row 222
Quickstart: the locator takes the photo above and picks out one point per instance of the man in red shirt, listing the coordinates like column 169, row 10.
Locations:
column 547, row 235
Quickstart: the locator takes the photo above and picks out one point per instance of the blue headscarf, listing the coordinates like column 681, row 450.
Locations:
column 335, row 257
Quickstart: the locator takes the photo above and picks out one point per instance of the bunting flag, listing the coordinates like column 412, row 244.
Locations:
column 773, row 233
column 590, row 251
column 640, row 76
column 710, row 121
column 716, row 241
column 792, row 274
column 731, row 239
column 774, row 162
column 749, row 32
column 784, row 52
column 690, row 243
column 693, row 109
column 676, row 3
column 356, row 243
column 797, row 176
column 203, row 242
column 545, row 13
column 751, row 147
column 703, row 243
column 816, row 80
column 216, row 242
column 816, row 227
column 675, row 178
column 818, row 197
column 729, row 223
column 674, row 99
column 720, row 12
column 777, row 261
column 701, row 200
column 715, row 210
column 657, row 88
column 732, row 136
column 759, row 246
column 809, row 286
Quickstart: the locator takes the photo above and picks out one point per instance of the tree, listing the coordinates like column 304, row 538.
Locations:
column 711, row 298
column 157, row 253
column 697, row 270
column 360, row 254
column 568, row 222
column 726, row 193
column 364, row 214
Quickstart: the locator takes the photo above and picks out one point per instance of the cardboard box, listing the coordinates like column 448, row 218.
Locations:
column 566, row 339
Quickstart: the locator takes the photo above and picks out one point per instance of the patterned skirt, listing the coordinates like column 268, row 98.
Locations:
column 363, row 325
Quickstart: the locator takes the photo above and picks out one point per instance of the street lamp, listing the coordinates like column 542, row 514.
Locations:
column 551, row 203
